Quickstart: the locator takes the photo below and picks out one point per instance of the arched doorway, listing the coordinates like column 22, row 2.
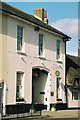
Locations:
column 40, row 86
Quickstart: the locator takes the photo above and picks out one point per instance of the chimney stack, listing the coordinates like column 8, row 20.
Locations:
column 79, row 48
column 41, row 14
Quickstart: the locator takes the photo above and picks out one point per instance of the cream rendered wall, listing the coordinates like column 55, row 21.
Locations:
column 15, row 63
column 0, row 46
column 3, row 47
column 3, row 55
column 26, row 62
column 72, row 103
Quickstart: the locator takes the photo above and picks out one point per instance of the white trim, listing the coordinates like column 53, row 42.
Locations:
column 23, row 40
column 22, row 82
column 41, row 68
column 4, row 96
column 22, row 85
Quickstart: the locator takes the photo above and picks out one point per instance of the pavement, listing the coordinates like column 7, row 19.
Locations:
column 62, row 113
column 50, row 115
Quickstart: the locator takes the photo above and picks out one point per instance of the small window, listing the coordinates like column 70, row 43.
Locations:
column 40, row 44
column 19, row 38
column 76, row 82
column 75, row 94
column 57, row 49
column 19, row 85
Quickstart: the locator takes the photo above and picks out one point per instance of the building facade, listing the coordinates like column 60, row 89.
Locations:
column 32, row 59
column 73, row 81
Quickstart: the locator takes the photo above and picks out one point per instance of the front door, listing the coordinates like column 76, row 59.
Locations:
column 40, row 86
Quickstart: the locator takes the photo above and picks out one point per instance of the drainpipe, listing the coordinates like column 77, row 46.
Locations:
column 66, row 93
column 4, row 98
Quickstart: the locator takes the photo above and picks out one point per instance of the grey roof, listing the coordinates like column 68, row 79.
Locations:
column 74, row 59
column 8, row 9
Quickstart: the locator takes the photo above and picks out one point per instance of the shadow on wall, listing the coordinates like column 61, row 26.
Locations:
column 63, row 86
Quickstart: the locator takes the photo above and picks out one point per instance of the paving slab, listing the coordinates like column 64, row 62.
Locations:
column 51, row 115
column 62, row 113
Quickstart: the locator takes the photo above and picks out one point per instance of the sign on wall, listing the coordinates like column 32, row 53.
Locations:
column 57, row 73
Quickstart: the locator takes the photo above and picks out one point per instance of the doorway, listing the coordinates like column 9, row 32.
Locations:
column 40, row 83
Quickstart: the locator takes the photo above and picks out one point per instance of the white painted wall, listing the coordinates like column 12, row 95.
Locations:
column 15, row 63
column 73, row 103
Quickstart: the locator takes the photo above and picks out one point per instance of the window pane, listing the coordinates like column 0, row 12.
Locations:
column 17, row 95
column 40, row 44
column 75, row 95
column 18, row 89
column 19, row 37
column 57, row 49
column 19, row 84
column 58, row 44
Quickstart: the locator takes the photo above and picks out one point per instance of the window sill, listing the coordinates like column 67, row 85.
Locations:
column 21, row 53
column 20, row 100
column 77, row 100
column 59, row 99
column 42, row 57
column 59, row 61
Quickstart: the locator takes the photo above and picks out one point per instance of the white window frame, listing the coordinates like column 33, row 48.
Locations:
column 58, row 49
column 20, row 49
column 21, row 85
column 41, row 48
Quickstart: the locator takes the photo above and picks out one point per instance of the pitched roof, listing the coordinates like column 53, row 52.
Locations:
column 73, row 69
column 74, row 59
column 8, row 9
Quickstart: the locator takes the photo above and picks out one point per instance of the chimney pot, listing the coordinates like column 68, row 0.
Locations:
column 41, row 14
